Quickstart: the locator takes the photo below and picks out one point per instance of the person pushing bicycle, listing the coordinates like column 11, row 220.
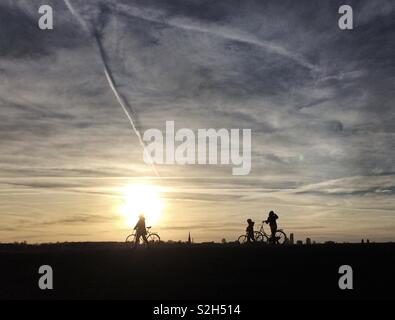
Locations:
column 250, row 230
column 272, row 221
column 141, row 230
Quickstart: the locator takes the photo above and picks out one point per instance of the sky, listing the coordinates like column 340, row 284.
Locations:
column 319, row 102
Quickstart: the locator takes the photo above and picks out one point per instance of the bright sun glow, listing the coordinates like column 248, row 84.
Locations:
column 141, row 199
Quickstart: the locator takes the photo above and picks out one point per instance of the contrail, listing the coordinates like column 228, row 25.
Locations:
column 78, row 17
column 127, row 108
column 217, row 31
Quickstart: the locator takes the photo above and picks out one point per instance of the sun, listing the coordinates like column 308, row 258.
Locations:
column 141, row 199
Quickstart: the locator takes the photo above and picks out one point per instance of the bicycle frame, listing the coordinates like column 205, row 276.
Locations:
column 133, row 236
column 262, row 230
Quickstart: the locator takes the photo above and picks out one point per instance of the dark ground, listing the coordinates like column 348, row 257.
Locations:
column 113, row 271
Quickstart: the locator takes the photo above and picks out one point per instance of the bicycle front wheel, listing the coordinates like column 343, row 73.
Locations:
column 281, row 237
column 129, row 238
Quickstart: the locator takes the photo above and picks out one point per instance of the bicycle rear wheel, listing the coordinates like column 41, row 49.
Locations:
column 242, row 239
column 153, row 239
column 260, row 237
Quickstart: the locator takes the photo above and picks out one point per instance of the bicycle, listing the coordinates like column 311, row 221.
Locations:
column 258, row 236
column 152, row 237
column 280, row 235
column 262, row 236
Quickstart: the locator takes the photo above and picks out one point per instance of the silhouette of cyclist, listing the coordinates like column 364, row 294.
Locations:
column 272, row 221
column 250, row 231
column 141, row 230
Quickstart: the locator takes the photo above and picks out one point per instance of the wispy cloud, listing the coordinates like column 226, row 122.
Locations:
column 319, row 102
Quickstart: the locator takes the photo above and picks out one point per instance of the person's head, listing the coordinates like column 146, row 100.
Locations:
column 249, row 221
column 141, row 216
column 271, row 213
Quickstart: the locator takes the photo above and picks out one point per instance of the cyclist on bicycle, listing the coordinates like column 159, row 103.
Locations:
column 250, row 230
column 271, row 220
column 141, row 230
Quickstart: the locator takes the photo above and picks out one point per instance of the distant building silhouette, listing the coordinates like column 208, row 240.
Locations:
column 308, row 241
column 299, row 242
column 291, row 239
column 330, row 242
column 189, row 238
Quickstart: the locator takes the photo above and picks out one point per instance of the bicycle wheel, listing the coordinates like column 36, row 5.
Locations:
column 153, row 238
column 260, row 237
column 242, row 239
column 131, row 239
column 281, row 237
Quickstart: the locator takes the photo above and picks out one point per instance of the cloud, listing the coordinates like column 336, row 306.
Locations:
column 383, row 184
column 187, row 24
column 78, row 219
column 21, row 37
column 319, row 101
